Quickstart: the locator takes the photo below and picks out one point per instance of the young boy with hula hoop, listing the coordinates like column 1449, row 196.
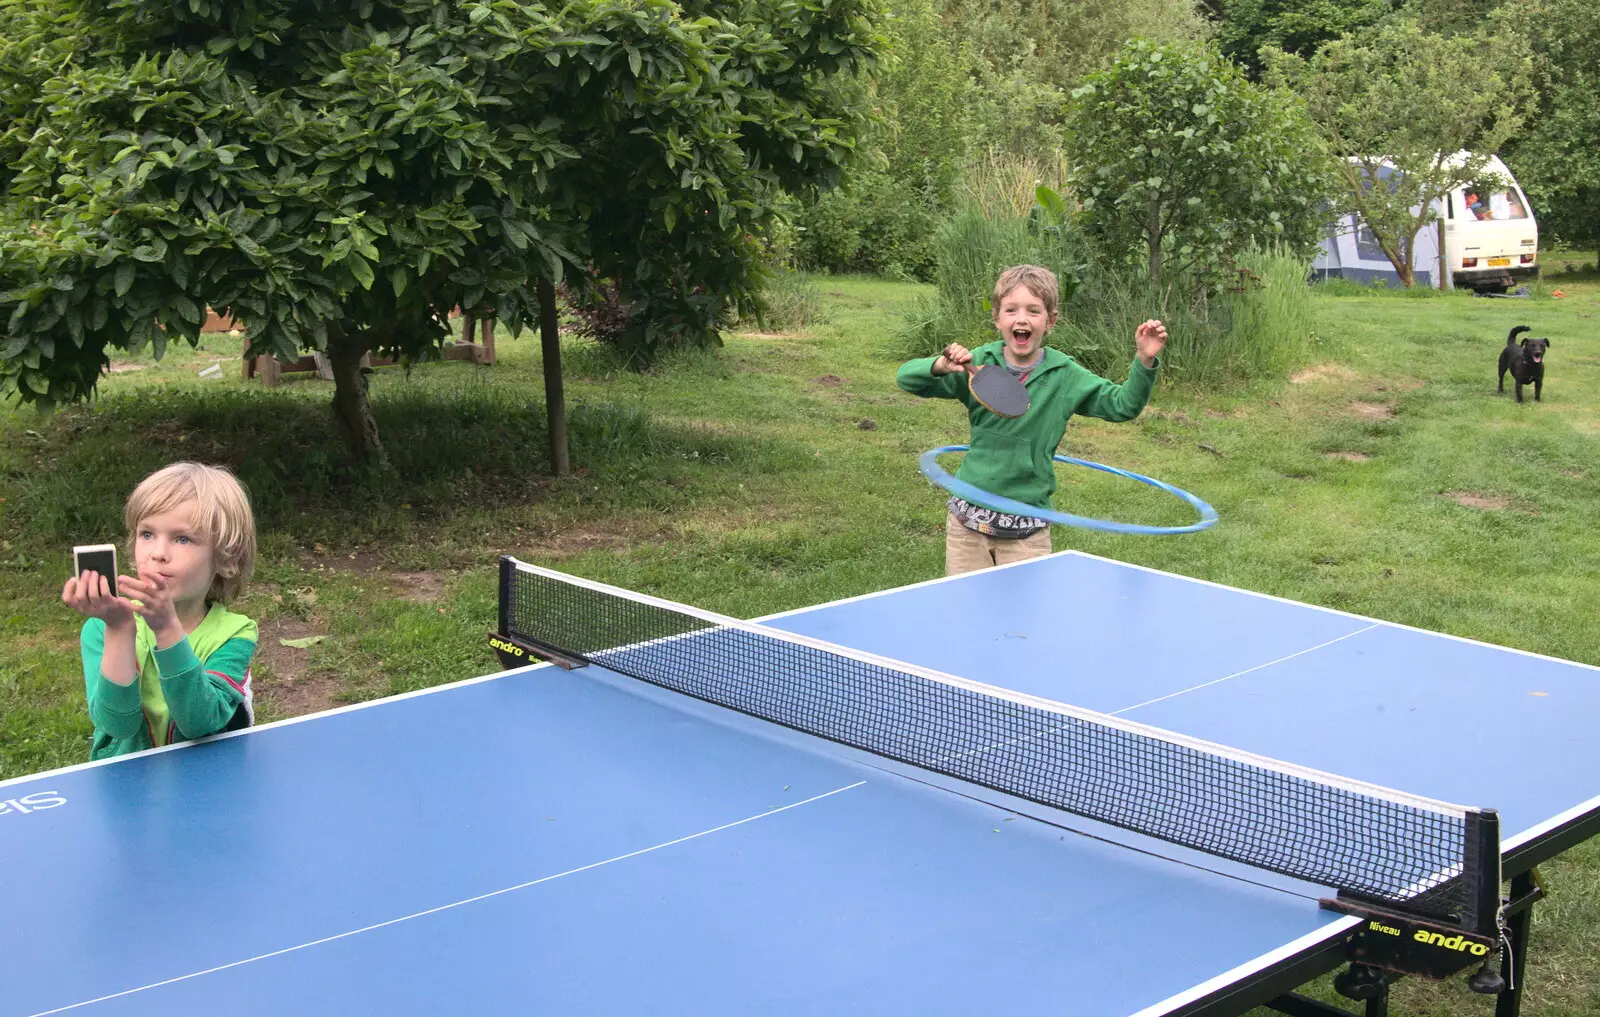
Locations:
column 1012, row 456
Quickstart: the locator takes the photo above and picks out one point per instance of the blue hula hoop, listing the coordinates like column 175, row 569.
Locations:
column 929, row 464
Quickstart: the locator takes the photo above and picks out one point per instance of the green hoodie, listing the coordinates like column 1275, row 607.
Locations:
column 1012, row 457
column 198, row 686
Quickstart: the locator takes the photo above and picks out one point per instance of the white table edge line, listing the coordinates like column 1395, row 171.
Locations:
column 1337, row 611
column 1330, row 931
column 256, row 728
column 909, row 586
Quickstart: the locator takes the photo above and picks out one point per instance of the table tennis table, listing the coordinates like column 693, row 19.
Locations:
column 572, row 840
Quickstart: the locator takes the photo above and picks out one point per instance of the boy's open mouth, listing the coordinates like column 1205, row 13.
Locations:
column 1021, row 335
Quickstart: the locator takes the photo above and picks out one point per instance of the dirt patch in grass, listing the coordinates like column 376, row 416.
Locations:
column 310, row 694
column 124, row 366
column 420, row 587
column 610, row 535
column 828, row 381
column 1486, row 502
column 1372, row 411
column 1322, row 372
column 284, row 685
column 1349, row 457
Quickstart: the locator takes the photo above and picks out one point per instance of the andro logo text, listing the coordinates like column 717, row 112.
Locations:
column 1458, row 943
column 36, row 802
column 511, row 648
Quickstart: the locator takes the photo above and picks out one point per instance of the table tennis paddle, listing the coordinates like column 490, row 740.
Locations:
column 997, row 389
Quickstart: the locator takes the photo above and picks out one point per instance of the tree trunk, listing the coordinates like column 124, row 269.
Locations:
column 1399, row 255
column 351, row 409
column 555, row 404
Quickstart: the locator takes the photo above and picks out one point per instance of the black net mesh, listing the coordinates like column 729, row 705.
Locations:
column 1328, row 835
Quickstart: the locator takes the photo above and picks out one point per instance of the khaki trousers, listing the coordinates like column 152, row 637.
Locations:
column 968, row 550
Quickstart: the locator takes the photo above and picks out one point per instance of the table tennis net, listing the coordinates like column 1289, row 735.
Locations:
column 1371, row 843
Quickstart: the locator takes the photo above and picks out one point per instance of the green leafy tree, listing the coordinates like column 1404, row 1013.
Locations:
column 1410, row 115
column 883, row 218
column 1557, row 159
column 1295, row 26
column 1180, row 163
column 1451, row 16
column 339, row 176
column 1057, row 42
column 1028, row 54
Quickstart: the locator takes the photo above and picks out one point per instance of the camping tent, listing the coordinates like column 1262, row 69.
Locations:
column 1349, row 251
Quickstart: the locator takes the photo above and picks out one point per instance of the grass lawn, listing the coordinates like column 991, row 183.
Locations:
column 1384, row 477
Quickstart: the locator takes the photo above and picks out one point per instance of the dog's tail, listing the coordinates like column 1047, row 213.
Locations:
column 1512, row 338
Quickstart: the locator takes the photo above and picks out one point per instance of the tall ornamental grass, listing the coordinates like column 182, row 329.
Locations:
column 1257, row 325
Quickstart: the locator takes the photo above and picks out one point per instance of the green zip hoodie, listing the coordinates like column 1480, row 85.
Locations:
column 198, row 686
column 1012, row 457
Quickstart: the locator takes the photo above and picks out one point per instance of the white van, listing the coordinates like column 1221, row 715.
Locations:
column 1491, row 240
column 1484, row 238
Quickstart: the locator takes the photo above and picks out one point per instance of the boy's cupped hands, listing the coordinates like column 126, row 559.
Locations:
column 90, row 595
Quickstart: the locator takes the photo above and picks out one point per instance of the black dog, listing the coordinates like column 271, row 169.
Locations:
column 1525, row 361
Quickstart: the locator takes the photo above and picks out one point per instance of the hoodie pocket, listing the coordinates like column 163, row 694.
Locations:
column 1003, row 464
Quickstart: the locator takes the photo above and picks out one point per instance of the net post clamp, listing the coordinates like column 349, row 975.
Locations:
column 1395, row 941
column 514, row 653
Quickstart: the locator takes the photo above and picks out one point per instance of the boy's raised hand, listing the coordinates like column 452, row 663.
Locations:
column 956, row 357
column 1148, row 341
column 89, row 594
column 155, row 606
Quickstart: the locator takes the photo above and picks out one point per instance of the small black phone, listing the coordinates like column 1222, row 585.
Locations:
column 101, row 558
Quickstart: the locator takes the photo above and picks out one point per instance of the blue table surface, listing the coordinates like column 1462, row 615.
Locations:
column 548, row 841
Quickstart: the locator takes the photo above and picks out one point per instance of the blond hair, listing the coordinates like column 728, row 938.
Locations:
column 1041, row 282
column 222, row 517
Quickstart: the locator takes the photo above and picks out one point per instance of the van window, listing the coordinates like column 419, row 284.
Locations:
column 1498, row 205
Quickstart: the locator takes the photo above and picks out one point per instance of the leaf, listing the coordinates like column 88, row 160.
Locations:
column 361, row 269
column 303, row 643
column 1049, row 200
column 187, row 309
column 124, row 278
